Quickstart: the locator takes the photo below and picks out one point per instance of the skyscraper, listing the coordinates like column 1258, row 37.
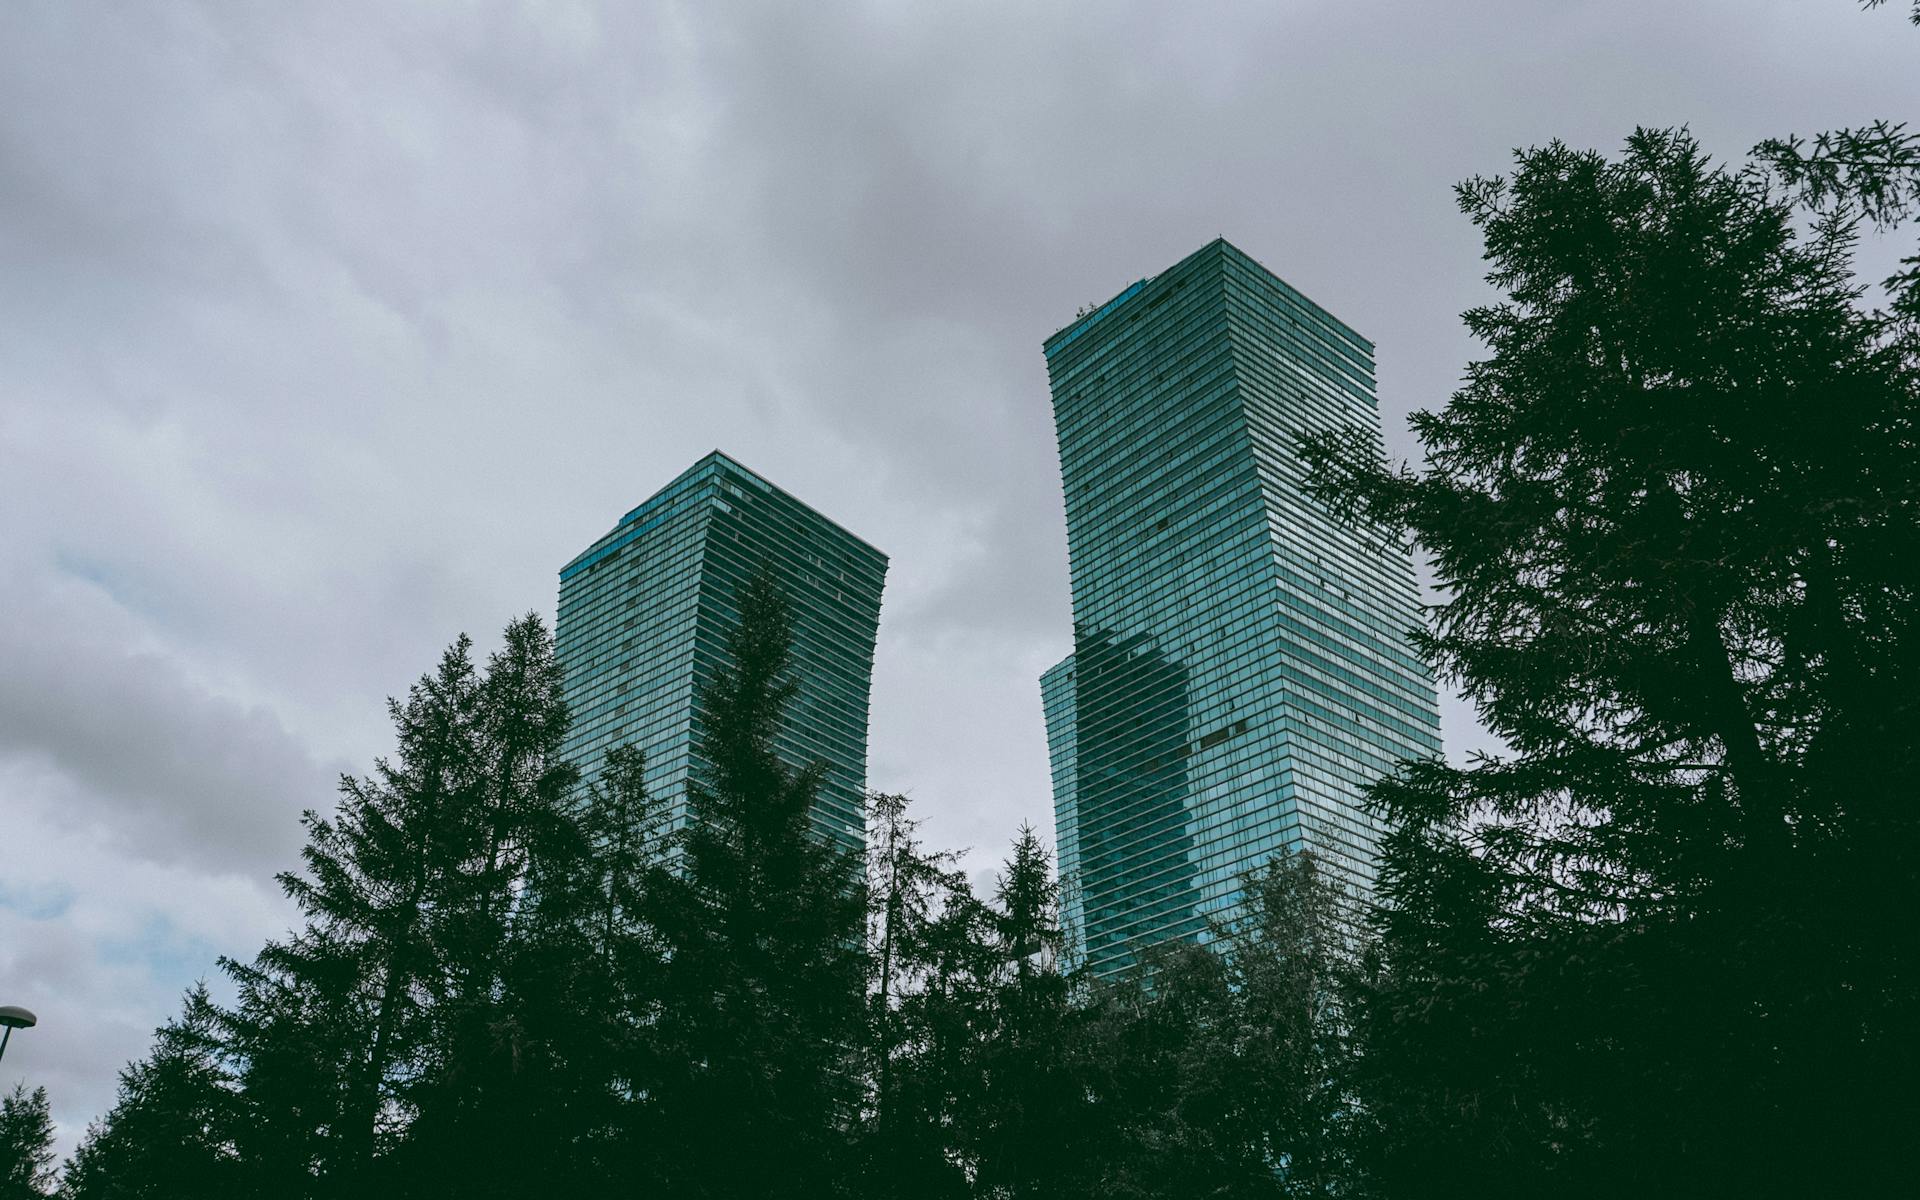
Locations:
column 645, row 612
column 1240, row 669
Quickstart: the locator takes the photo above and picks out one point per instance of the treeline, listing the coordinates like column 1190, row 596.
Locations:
column 1662, row 945
column 504, row 984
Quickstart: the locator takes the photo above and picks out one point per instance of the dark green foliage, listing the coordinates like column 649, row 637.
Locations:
column 513, row 1062
column 1870, row 174
column 761, row 1019
column 1280, row 1073
column 26, row 1145
column 380, row 1042
column 334, row 1027
column 502, row 987
column 594, row 966
column 1027, row 1120
column 561, row 1062
column 975, row 1092
column 1873, row 171
column 171, row 1133
column 1675, row 510
column 1223, row 1070
column 921, row 922
column 1877, row 3
column 924, row 1140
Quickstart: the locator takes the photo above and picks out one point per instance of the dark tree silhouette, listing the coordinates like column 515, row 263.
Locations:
column 1915, row 17
column 597, row 959
column 26, row 1145
column 172, row 1130
column 1028, row 1118
column 1869, row 174
column 1674, row 514
column 761, row 1020
column 1224, row 1069
column 513, row 1062
column 914, row 897
column 924, row 1138
column 333, row 1028
column 380, row 1042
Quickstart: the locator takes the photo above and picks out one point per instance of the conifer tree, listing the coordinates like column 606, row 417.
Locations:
column 1223, row 1069
column 583, row 980
column 382, row 1024
column 333, row 1030
column 615, row 977
column 26, row 1145
column 172, row 1131
column 906, row 887
column 914, row 896
column 1031, row 1107
column 1674, row 514
column 504, row 1062
column 1867, row 174
column 761, row 1019
column 943, row 1026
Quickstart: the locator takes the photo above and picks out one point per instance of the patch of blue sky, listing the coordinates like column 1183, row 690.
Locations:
column 37, row 902
column 165, row 951
column 121, row 585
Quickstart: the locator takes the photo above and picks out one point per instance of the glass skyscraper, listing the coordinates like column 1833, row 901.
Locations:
column 1240, row 669
column 644, row 616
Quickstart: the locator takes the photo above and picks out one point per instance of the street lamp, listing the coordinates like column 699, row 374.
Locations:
column 13, row 1017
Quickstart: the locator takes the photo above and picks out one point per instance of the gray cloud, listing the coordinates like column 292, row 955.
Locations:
column 329, row 331
column 166, row 770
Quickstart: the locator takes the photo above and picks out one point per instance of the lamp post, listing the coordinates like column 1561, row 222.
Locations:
column 13, row 1017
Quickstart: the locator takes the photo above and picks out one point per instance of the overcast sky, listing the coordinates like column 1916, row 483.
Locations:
column 328, row 331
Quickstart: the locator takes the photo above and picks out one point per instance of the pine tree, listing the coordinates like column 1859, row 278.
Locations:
column 333, row 1029
column 377, row 1046
column 505, row 1062
column 1031, row 1109
column 583, row 973
column 944, row 1025
column 1284, row 1053
column 905, row 888
column 1153, row 1047
column 1674, row 515
column 761, row 1020
column 616, row 983
column 1223, row 1069
column 26, row 1145
column 172, row 1130
column 913, row 897
column 1867, row 174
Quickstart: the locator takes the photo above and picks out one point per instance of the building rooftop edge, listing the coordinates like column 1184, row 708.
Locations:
column 1068, row 332
column 713, row 456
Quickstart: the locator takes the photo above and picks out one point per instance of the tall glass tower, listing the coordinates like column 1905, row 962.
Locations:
column 643, row 623
column 1240, row 669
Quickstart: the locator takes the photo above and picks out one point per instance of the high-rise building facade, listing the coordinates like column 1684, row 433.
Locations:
column 645, row 613
column 1241, row 670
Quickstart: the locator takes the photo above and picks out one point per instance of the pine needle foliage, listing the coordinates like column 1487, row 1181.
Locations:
column 1673, row 512
column 172, row 1131
column 762, row 1021
column 381, row 1039
column 26, row 1145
